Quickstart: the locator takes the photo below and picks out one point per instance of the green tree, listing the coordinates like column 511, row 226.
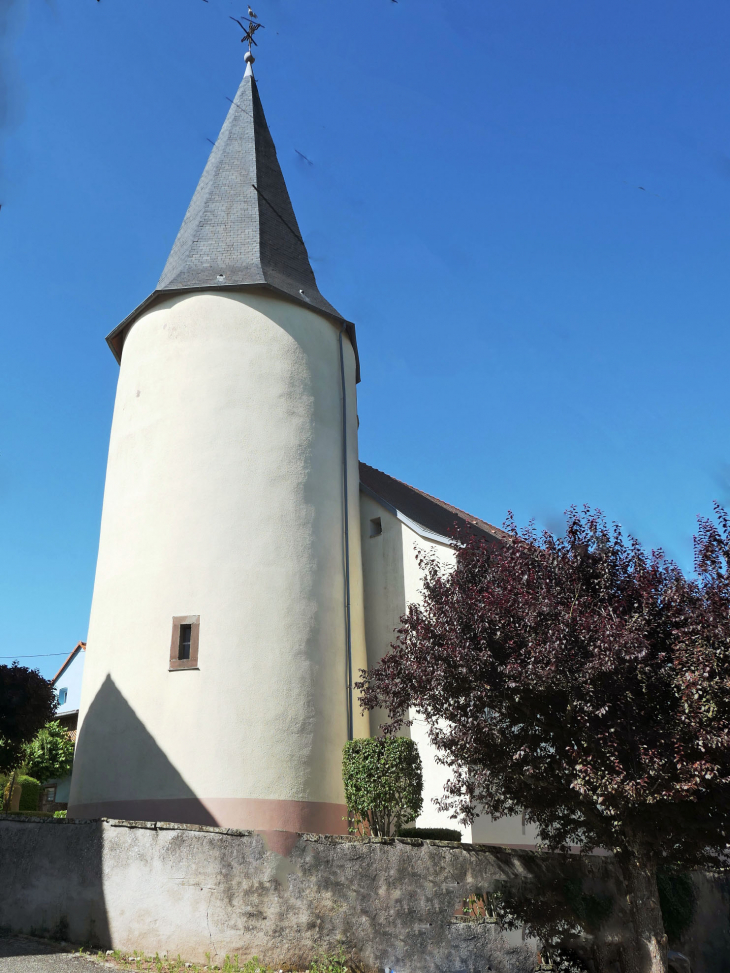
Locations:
column 50, row 754
column 27, row 703
column 383, row 781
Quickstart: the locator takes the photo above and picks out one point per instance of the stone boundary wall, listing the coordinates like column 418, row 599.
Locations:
column 279, row 896
column 194, row 891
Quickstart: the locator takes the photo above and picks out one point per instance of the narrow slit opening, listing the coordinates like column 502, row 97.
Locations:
column 186, row 632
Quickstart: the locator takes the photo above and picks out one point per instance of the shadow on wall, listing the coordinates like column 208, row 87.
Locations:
column 121, row 772
column 53, row 884
column 384, row 593
column 707, row 941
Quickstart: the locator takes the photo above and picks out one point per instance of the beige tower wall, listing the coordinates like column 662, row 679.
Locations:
column 393, row 580
column 224, row 500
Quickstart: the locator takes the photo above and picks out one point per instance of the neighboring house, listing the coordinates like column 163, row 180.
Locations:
column 67, row 683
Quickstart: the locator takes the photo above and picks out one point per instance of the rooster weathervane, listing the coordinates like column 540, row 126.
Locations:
column 248, row 32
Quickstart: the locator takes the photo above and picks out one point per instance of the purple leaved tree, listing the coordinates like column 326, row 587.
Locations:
column 586, row 682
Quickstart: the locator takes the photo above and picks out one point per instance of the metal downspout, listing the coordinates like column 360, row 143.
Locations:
column 348, row 626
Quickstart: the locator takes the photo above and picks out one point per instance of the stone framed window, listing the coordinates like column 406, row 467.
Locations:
column 184, row 642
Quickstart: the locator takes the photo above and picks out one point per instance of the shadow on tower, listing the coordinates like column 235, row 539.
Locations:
column 116, row 755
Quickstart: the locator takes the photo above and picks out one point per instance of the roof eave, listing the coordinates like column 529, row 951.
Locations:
column 80, row 646
column 115, row 339
column 420, row 529
column 380, row 488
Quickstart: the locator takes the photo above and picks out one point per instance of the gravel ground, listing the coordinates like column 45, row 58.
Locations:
column 21, row 954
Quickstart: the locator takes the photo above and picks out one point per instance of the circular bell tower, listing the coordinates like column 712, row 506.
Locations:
column 227, row 615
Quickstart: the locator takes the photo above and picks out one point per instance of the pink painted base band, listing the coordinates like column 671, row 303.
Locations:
column 246, row 813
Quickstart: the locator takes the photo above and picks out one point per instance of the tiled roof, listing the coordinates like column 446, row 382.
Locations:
column 240, row 229
column 79, row 647
column 430, row 512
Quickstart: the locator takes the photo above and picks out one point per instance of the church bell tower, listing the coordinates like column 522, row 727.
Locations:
column 227, row 615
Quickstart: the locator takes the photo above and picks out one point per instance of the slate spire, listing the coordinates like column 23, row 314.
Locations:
column 240, row 227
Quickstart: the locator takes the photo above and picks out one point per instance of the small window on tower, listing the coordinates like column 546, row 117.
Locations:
column 184, row 644
column 186, row 630
column 62, row 696
column 376, row 527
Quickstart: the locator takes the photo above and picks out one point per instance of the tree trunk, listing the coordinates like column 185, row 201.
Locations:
column 599, row 958
column 650, row 940
column 8, row 795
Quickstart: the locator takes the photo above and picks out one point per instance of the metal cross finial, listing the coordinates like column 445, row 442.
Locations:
column 249, row 31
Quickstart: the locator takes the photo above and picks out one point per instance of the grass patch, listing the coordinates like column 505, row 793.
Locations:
column 323, row 962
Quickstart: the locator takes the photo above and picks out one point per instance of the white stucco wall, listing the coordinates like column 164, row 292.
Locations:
column 224, row 499
column 392, row 580
column 70, row 679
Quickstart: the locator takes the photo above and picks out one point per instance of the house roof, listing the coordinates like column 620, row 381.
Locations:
column 435, row 515
column 80, row 647
column 240, row 230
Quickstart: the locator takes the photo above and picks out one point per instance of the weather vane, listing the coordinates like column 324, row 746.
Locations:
column 248, row 32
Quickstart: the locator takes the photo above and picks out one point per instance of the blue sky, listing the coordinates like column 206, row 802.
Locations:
column 524, row 206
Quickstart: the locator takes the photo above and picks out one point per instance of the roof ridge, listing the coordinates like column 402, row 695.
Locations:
column 463, row 514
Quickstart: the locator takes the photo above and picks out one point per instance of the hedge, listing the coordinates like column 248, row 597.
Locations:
column 29, row 795
column 433, row 834
column 383, row 781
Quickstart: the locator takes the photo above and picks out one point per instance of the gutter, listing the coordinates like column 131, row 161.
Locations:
column 348, row 619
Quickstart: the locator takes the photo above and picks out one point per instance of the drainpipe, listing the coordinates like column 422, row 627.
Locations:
column 348, row 625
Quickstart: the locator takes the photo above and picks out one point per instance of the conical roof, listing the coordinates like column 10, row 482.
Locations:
column 240, row 229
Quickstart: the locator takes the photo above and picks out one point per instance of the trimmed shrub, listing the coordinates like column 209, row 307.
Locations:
column 432, row 834
column 383, row 781
column 29, row 795
column 60, row 814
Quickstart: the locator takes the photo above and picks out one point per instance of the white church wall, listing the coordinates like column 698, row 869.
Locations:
column 393, row 579
column 511, row 831
column 224, row 499
column 435, row 775
column 384, row 594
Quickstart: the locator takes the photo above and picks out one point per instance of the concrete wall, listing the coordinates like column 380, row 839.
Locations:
column 280, row 897
column 392, row 580
column 707, row 942
column 224, row 499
